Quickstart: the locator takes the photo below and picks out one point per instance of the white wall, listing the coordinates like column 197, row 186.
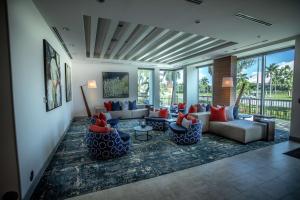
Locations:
column 83, row 71
column 37, row 131
column 295, row 125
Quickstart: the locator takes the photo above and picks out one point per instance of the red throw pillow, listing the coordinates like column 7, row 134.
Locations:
column 193, row 109
column 179, row 118
column 217, row 114
column 101, row 123
column 98, row 129
column 108, row 105
column 181, row 106
column 164, row 113
column 194, row 119
column 102, row 116
column 95, row 116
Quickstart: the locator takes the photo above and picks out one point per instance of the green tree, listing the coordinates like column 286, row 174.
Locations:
column 287, row 79
column 272, row 72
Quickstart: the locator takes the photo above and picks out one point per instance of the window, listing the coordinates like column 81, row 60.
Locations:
column 268, row 80
column 145, row 86
column 179, row 86
column 171, row 87
column 166, row 87
column 205, row 84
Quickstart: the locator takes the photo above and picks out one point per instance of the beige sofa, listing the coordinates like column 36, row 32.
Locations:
column 240, row 130
column 140, row 112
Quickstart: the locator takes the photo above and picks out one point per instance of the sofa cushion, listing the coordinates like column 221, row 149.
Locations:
column 132, row 105
column 108, row 105
column 123, row 114
column 240, row 130
column 218, row 114
column 116, row 106
column 139, row 113
column 164, row 113
column 153, row 114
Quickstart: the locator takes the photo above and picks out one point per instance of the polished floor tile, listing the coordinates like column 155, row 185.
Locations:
column 261, row 174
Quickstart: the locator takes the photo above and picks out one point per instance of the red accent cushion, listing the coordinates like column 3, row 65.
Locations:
column 179, row 118
column 164, row 113
column 102, row 116
column 181, row 106
column 218, row 114
column 101, row 122
column 193, row 109
column 98, row 129
column 194, row 119
column 108, row 105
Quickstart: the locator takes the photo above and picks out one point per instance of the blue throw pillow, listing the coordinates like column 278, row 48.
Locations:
column 116, row 106
column 132, row 105
column 207, row 107
column 236, row 112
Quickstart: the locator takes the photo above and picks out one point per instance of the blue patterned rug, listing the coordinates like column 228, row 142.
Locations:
column 71, row 171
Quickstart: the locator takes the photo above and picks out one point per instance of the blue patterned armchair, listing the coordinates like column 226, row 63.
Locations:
column 183, row 136
column 158, row 124
column 105, row 146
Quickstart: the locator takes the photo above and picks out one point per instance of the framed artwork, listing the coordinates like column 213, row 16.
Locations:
column 115, row 84
column 52, row 77
column 68, row 83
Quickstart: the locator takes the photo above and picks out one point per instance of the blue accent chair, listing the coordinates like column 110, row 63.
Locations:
column 103, row 146
column 157, row 123
column 183, row 136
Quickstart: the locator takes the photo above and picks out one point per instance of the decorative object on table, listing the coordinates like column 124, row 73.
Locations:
column 270, row 123
column 227, row 82
column 104, row 146
column 52, row 77
column 91, row 84
column 115, row 84
column 68, row 82
column 143, row 123
column 138, row 131
column 244, row 116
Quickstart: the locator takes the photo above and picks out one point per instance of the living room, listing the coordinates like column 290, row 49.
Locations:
column 117, row 99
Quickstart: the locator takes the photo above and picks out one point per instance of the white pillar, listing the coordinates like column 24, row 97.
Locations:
column 190, row 86
column 295, row 125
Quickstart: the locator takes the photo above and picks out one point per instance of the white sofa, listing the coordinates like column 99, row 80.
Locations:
column 240, row 130
column 140, row 112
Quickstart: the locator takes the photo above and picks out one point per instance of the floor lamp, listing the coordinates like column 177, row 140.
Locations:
column 90, row 85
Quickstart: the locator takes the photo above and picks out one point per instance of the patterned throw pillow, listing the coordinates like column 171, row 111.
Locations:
column 186, row 123
column 108, row 116
column 154, row 114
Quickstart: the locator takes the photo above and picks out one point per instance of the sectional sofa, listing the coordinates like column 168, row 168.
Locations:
column 243, row 131
column 140, row 112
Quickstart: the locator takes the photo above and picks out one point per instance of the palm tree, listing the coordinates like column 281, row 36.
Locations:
column 270, row 73
column 204, row 84
column 287, row 78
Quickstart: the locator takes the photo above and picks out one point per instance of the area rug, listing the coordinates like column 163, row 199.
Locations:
column 294, row 153
column 71, row 171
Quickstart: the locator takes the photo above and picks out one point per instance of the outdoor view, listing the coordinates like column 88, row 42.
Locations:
column 205, row 84
column 145, row 86
column 276, row 81
column 171, row 81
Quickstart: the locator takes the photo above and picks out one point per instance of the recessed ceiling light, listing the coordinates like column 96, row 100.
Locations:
column 65, row 28
column 101, row 1
column 197, row 21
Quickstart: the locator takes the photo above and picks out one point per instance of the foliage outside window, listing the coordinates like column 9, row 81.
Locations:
column 145, row 86
column 205, row 84
column 171, row 87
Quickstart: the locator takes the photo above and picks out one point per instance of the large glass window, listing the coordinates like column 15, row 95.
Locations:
column 171, row 87
column 205, row 84
column 179, row 86
column 268, row 81
column 145, row 86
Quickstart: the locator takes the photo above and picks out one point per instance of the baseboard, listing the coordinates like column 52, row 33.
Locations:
column 295, row 139
column 41, row 172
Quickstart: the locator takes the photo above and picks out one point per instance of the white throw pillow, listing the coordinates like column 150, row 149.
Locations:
column 154, row 114
column 186, row 123
column 108, row 116
column 229, row 113
column 125, row 105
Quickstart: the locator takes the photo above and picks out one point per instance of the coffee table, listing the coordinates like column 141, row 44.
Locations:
column 139, row 131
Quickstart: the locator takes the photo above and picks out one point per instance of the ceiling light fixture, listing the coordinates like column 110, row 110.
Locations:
column 65, row 28
column 101, row 1
column 252, row 19
column 195, row 1
column 197, row 21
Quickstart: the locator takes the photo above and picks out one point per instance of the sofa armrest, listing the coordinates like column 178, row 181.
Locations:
column 204, row 118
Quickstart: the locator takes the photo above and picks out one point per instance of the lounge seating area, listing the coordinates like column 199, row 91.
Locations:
column 185, row 99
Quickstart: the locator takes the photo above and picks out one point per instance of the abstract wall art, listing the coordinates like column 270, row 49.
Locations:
column 115, row 84
column 52, row 77
column 68, row 83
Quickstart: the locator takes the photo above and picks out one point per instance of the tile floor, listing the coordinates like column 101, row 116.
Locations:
column 261, row 174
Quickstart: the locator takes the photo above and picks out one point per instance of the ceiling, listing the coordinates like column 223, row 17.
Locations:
column 165, row 32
